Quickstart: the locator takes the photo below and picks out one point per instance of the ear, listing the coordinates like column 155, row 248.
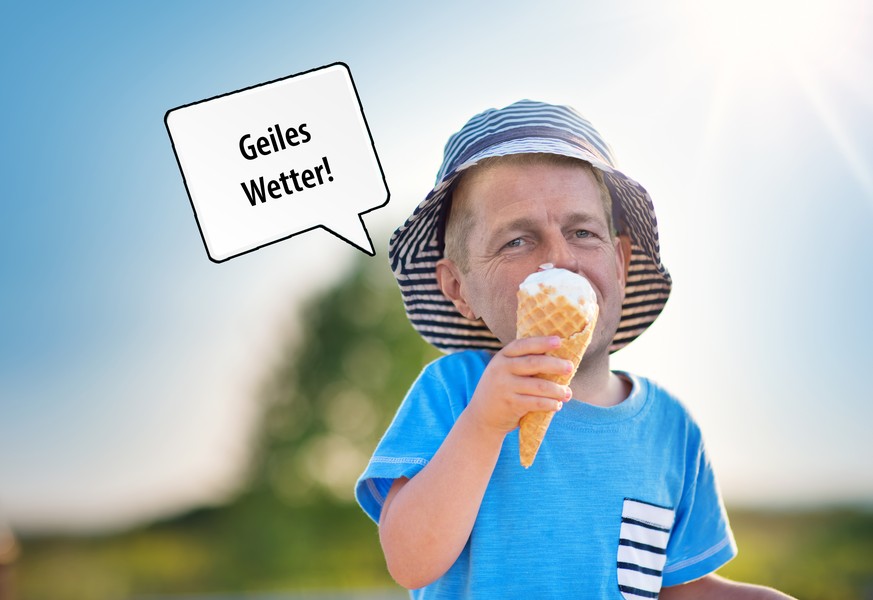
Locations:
column 452, row 286
column 622, row 257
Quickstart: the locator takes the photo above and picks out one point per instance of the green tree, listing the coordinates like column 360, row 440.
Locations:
column 334, row 394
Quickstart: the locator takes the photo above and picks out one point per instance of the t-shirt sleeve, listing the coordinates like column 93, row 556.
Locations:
column 701, row 541
column 422, row 422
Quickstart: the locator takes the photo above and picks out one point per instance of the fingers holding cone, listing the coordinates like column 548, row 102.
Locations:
column 553, row 302
column 533, row 425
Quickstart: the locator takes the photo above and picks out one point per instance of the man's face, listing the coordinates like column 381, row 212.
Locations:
column 525, row 216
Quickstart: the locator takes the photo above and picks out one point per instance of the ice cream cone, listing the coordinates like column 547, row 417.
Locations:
column 551, row 311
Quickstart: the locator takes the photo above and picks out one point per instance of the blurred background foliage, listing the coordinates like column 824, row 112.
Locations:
column 293, row 526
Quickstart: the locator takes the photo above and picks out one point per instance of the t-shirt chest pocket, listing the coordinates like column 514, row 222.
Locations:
column 642, row 548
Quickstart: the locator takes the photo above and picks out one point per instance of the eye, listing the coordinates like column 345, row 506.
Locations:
column 515, row 243
column 583, row 233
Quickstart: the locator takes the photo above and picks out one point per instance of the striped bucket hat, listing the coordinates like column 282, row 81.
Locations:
column 523, row 127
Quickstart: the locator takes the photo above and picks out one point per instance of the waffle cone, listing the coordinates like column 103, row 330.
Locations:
column 542, row 314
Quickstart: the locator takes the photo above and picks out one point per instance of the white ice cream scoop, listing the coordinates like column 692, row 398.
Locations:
column 561, row 282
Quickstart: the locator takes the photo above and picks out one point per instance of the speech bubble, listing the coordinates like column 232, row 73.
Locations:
column 271, row 161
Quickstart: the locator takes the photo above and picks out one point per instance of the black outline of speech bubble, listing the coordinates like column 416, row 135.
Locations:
column 369, row 134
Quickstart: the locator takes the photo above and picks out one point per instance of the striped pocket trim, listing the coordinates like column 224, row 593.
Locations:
column 642, row 548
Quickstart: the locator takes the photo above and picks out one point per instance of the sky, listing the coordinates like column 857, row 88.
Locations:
column 129, row 361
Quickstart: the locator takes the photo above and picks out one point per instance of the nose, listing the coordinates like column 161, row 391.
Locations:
column 560, row 254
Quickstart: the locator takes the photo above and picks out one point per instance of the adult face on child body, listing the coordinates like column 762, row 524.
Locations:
column 525, row 215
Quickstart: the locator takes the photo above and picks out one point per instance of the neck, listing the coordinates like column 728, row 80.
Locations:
column 595, row 384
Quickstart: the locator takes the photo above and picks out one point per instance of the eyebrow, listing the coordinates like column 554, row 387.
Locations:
column 527, row 224
column 522, row 224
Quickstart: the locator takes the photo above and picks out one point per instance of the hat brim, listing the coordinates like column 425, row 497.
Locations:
column 418, row 244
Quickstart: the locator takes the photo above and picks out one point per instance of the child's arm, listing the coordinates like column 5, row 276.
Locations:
column 713, row 587
column 426, row 520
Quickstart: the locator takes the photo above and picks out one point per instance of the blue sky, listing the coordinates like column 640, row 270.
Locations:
column 128, row 360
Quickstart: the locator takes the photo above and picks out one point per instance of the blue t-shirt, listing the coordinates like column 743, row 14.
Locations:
column 619, row 501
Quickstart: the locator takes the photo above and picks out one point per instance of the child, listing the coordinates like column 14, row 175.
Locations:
column 621, row 501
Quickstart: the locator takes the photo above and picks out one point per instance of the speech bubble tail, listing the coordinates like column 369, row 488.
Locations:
column 354, row 232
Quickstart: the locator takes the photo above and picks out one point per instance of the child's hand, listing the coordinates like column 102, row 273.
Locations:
column 509, row 387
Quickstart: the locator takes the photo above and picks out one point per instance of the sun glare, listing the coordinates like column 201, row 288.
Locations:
column 800, row 44
column 761, row 32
